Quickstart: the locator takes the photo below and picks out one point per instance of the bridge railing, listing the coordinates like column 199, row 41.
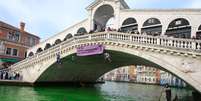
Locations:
column 167, row 42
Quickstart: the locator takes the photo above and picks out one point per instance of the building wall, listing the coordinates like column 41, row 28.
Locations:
column 167, row 78
column 24, row 36
column 15, row 39
column 132, row 73
column 147, row 75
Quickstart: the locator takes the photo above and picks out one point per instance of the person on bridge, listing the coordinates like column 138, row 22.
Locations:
column 58, row 59
column 107, row 57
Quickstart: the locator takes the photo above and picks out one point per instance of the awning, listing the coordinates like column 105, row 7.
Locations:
column 8, row 60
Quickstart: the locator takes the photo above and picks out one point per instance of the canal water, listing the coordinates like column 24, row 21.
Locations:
column 109, row 91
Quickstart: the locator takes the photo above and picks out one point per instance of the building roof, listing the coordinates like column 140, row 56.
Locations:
column 8, row 26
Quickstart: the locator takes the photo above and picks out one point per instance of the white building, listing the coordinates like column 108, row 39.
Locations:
column 110, row 76
column 167, row 78
column 119, row 74
column 122, row 74
column 147, row 75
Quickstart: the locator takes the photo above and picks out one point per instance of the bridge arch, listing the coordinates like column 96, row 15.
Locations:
column 101, row 16
column 179, row 28
column 121, row 56
column 130, row 25
column 198, row 33
column 152, row 26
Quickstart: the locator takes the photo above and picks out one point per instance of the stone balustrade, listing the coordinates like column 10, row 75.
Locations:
column 188, row 45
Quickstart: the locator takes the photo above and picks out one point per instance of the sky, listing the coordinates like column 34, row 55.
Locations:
column 46, row 18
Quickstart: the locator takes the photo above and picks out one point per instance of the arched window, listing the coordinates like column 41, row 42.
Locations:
column 58, row 41
column 129, row 25
column 198, row 34
column 152, row 26
column 68, row 36
column 101, row 17
column 39, row 50
column 199, row 28
column 47, row 46
column 31, row 54
column 179, row 28
column 81, row 31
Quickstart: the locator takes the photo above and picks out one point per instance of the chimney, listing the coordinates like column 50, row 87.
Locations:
column 22, row 26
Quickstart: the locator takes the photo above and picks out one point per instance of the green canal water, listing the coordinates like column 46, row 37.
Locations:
column 109, row 91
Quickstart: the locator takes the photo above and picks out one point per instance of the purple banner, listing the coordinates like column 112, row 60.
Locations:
column 90, row 50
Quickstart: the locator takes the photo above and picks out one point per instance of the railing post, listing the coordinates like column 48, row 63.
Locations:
column 108, row 36
column 158, row 41
column 89, row 36
column 170, row 43
column 194, row 45
column 130, row 36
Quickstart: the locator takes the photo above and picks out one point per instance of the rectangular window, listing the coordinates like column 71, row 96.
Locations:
column 14, row 36
column 10, row 36
column 17, row 36
column 8, row 51
column 15, row 51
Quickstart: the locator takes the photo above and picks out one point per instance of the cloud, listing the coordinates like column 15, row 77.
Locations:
column 165, row 4
column 195, row 4
column 44, row 18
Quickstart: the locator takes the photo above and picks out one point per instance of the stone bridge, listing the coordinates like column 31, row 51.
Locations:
column 181, row 57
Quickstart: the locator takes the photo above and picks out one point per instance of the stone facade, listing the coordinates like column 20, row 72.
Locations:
column 14, row 43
